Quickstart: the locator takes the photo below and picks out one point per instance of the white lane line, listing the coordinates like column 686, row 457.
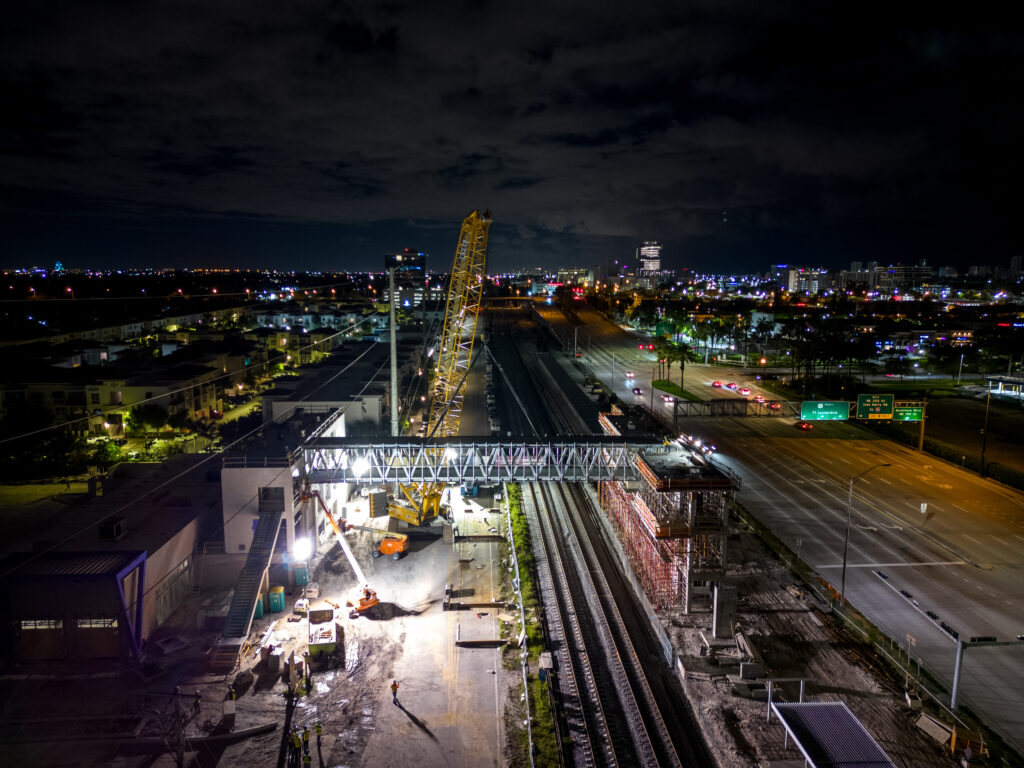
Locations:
column 968, row 536
column 885, row 481
column 897, row 565
column 961, row 509
column 1018, row 536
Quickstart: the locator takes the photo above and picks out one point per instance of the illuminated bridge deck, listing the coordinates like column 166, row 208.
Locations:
column 468, row 460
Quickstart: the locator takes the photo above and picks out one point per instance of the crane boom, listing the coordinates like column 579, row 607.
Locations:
column 339, row 534
column 465, row 294
column 465, row 291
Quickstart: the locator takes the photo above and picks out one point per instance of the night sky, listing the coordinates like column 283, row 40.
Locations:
column 320, row 135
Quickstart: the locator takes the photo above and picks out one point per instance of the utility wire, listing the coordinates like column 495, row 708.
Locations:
column 135, row 501
column 123, row 406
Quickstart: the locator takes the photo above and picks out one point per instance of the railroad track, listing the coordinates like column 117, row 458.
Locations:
column 623, row 722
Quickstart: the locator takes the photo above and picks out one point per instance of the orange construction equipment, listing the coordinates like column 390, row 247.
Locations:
column 367, row 599
column 393, row 545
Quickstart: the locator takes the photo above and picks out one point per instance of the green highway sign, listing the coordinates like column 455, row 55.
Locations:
column 908, row 413
column 875, row 406
column 824, row 410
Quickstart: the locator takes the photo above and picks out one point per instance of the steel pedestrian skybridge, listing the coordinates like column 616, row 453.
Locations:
column 467, row 460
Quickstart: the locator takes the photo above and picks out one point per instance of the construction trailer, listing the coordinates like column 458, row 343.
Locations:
column 323, row 632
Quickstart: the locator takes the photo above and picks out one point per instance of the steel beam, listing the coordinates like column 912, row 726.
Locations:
column 465, row 462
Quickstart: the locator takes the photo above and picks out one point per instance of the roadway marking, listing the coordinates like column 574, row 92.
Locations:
column 897, row 565
column 968, row 536
column 1018, row 536
column 962, row 509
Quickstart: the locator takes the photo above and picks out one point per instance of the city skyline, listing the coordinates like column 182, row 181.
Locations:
column 325, row 136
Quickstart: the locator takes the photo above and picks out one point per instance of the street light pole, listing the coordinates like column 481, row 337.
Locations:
column 846, row 537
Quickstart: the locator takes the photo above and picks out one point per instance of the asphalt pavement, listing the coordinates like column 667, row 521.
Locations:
column 962, row 559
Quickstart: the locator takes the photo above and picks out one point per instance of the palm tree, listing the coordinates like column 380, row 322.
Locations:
column 682, row 353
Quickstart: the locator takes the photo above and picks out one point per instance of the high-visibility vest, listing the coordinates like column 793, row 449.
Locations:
column 305, row 735
column 319, row 730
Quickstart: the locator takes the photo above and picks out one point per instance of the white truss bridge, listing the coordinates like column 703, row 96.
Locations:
column 464, row 460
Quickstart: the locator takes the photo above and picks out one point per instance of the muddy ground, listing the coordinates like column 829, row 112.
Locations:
column 797, row 639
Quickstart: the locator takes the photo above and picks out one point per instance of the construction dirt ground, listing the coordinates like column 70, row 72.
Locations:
column 456, row 702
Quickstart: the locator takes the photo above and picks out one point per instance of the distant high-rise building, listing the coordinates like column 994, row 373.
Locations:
column 411, row 262
column 648, row 256
column 410, row 277
column 1016, row 265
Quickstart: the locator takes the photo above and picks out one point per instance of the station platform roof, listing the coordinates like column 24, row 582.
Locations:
column 829, row 735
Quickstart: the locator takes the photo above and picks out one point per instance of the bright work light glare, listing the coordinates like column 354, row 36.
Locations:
column 302, row 550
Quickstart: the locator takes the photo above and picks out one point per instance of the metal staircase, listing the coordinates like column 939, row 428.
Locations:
column 243, row 604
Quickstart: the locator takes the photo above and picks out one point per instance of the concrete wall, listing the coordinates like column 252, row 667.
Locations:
column 239, row 491
column 162, row 563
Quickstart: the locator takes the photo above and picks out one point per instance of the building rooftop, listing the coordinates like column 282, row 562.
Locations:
column 154, row 500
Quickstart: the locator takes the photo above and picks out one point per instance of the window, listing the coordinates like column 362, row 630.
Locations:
column 94, row 398
column 42, row 624
column 173, row 590
column 110, row 623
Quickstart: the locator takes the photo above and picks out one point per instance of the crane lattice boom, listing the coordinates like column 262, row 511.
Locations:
column 465, row 291
column 444, row 414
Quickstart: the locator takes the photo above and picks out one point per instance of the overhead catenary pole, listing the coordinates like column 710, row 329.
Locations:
column 984, row 429
column 924, row 415
column 394, row 354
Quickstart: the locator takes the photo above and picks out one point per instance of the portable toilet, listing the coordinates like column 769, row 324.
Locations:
column 301, row 574
column 276, row 599
column 259, row 607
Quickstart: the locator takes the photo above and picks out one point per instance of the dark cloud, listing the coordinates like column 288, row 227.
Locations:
column 828, row 133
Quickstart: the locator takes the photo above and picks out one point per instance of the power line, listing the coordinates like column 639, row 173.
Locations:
column 180, row 475
column 123, row 406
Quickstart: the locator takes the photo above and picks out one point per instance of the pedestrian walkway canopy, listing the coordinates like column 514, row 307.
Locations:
column 829, row 736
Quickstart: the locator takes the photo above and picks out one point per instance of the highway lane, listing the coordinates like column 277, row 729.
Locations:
column 963, row 560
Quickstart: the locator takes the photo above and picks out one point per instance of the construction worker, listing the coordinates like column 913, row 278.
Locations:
column 307, row 760
column 305, row 739
column 231, row 692
column 394, row 691
column 319, row 732
column 296, row 747
column 195, row 704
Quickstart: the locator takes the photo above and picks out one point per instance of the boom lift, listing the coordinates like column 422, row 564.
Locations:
column 465, row 294
column 393, row 543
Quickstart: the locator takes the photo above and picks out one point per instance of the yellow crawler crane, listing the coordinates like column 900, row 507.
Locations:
column 465, row 293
